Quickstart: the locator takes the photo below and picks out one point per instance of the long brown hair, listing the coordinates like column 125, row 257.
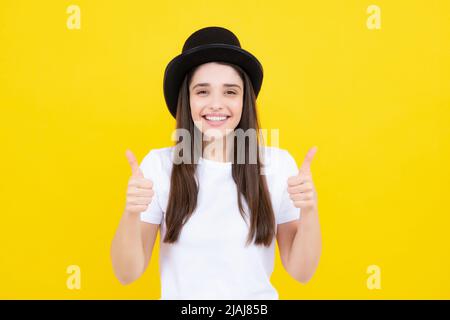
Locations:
column 250, row 183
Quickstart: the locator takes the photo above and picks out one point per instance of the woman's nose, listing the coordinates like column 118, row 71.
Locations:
column 217, row 102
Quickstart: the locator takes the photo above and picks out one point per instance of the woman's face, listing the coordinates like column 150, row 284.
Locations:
column 216, row 96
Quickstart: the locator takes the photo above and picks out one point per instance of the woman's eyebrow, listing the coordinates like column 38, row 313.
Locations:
column 207, row 85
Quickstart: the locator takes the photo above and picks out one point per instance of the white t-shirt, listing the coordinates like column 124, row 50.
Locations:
column 210, row 260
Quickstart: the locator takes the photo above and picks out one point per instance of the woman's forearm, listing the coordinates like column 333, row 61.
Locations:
column 127, row 253
column 306, row 247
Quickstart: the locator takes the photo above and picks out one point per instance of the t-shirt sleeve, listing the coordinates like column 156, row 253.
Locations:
column 287, row 211
column 151, row 167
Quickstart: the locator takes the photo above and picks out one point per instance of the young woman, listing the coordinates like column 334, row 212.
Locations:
column 218, row 201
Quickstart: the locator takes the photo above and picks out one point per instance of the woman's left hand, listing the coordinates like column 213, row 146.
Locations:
column 301, row 187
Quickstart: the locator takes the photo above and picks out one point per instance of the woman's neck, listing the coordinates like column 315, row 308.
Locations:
column 218, row 150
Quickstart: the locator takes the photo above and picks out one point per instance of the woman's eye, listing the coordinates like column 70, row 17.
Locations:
column 203, row 91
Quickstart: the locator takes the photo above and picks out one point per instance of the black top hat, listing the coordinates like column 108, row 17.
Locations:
column 207, row 45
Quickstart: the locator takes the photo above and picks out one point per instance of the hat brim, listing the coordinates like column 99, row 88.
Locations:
column 181, row 64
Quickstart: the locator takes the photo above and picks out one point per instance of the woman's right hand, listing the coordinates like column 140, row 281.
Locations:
column 140, row 190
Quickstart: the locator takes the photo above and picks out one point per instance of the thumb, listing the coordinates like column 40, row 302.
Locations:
column 306, row 165
column 135, row 170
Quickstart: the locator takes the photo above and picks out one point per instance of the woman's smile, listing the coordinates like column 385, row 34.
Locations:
column 215, row 120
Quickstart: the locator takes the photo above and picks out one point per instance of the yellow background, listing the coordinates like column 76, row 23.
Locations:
column 375, row 102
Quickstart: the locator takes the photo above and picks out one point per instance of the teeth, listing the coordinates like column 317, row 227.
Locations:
column 215, row 118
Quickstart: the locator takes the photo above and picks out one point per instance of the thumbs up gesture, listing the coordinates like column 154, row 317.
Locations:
column 140, row 190
column 301, row 187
